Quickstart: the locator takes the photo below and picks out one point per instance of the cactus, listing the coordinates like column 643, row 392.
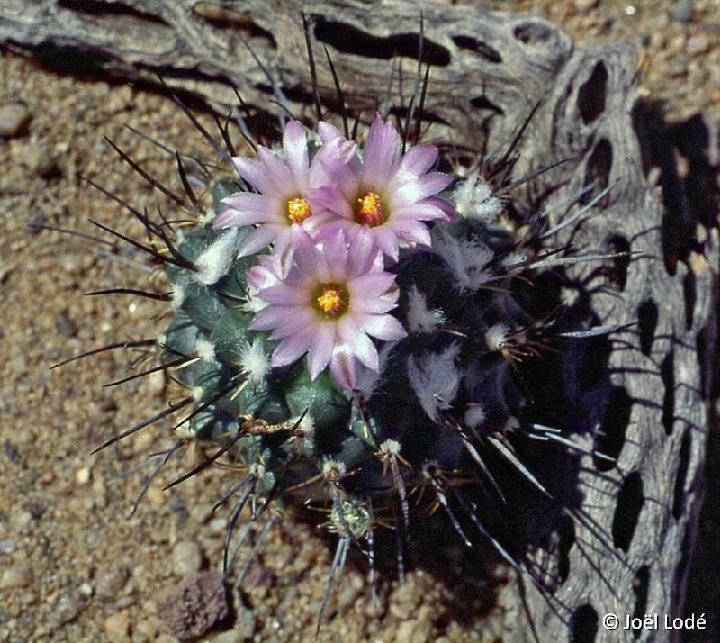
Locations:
column 441, row 393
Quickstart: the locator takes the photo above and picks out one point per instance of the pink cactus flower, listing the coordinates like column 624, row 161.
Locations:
column 283, row 183
column 333, row 298
column 386, row 192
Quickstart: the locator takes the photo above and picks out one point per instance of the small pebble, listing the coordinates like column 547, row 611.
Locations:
column 245, row 623
column 109, row 583
column 37, row 159
column 14, row 120
column 35, row 223
column 194, row 607
column 682, row 11
column 584, row 5
column 697, row 44
column 7, row 546
column 19, row 575
column 65, row 325
column 147, row 628
column 82, row 475
column 187, row 558
column 21, row 521
column 68, row 607
column 117, row 627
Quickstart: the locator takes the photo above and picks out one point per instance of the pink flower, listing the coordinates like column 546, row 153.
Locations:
column 389, row 193
column 283, row 183
column 331, row 300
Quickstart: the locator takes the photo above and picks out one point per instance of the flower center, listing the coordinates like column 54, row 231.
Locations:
column 369, row 210
column 298, row 209
column 331, row 300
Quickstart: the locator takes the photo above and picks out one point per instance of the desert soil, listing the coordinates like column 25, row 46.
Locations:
column 73, row 565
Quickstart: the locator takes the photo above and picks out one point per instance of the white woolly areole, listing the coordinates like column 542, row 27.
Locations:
column 256, row 469
column 178, row 296
column 205, row 350
column 474, row 200
column 435, row 379
column 306, row 424
column 216, row 259
column 497, row 336
column 390, row 447
column 419, row 318
column 207, row 216
column 474, row 415
column 198, row 393
column 333, row 468
column 467, row 260
column 253, row 303
column 254, row 361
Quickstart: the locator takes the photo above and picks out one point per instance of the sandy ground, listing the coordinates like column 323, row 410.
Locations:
column 73, row 566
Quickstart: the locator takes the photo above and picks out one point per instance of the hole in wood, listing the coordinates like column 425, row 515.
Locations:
column 641, row 585
column 231, row 20
column 479, row 47
column 593, row 93
column 690, row 297
column 351, row 40
column 482, row 102
column 566, row 532
column 98, row 7
column 647, row 313
column 584, row 624
column 683, row 466
column 617, row 243
column 630, row 501
column 667, row 375
column 611, row 434
column 597, row 172
column 533, row 33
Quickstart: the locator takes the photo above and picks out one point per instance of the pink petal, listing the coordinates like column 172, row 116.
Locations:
column 296, row 152
column 278, row 173
column 342, row 367
column 303, row 250
column 374, row 305
column 410, row 230
column 420, row 212
column 254, row 173
column 440, row 203
column 295, row 320
column 258, row 239
column 328, row 132
column 292, row 347
column 370, row 285
column 329, row 198
column 418, row 160
column 335, row 253
column 424, row 186
column 271, row 317
column 363, row 252
column 322, row 348
column 387, row 241
column 381, row 326
column 283, row 294
column 382, row 150
column 352, row 335
column 249, row 202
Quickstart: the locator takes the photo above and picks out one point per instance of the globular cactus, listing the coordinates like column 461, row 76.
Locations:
column 354, row 327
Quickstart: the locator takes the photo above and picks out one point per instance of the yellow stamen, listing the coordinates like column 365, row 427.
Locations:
column 298, row 209
column 331, row 300
column 370, row 210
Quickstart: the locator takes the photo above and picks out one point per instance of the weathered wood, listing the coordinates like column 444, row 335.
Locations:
column 490, row 70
